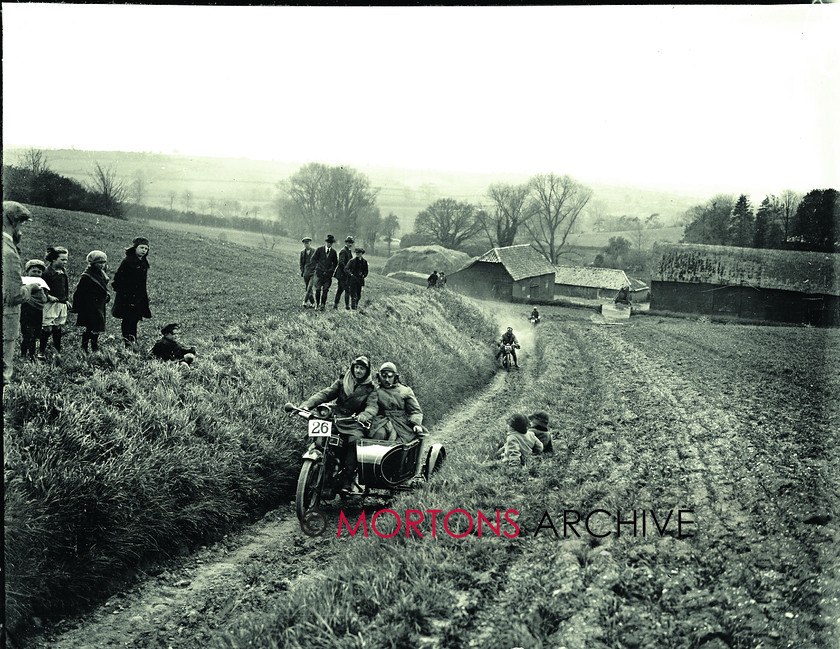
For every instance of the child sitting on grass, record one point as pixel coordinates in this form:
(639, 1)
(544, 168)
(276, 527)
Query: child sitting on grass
(169, 349)
(520, 444)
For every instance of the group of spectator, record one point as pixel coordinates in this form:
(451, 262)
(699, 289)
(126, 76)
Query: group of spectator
(37, 301)
(526, 436)
(318, 267)
(436, 279)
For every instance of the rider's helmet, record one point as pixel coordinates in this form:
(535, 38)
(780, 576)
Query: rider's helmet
(510, 329)
(364, 362)
(388, 371)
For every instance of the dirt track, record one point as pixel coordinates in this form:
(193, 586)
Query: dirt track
(677, 413)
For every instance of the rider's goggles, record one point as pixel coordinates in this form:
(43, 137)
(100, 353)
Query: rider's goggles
(388, 374)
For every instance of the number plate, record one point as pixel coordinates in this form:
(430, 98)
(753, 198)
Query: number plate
(320, 428)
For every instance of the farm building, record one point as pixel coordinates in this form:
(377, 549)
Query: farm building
(510, 273)
(778, 285)
(596, 283)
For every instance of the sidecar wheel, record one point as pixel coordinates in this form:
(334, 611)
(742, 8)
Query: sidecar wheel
(308, 487)
(434, 461)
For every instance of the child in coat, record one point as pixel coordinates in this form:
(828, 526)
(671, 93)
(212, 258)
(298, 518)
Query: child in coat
(169, 349)
(31, 314)
(89, 299)
(520, 444)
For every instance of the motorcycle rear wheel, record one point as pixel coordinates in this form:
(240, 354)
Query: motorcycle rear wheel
(308, 491)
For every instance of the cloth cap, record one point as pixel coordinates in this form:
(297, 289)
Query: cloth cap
(519, 423)
(306, 239)
(15, 213)
(96, 255)
(361, 360)
(540, 418)
(360, 251)
(140, 241)
(330, 239)
(349, 239)
(35, 262)
(170, 328)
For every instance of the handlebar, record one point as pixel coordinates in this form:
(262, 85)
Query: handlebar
(292, 408)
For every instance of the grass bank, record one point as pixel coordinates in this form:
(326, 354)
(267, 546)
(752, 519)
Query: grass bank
(114, 461)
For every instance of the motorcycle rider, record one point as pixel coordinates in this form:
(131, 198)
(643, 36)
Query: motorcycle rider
(535, 315)
(354, 394)
(399, 416)
(508, 338)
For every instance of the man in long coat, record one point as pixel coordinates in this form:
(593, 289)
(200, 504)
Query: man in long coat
(325, 261)
(307, 271)
(344, 256)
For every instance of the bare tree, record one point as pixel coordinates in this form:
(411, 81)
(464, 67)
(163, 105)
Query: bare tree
(186, 199)
(554, 205)
(508, 213)
(138, 190)
(172, 196)
(788, 202)
(370, 224)
(33, 160)
(448, 222)
(111, 189)
(389, 228)
(328, 198)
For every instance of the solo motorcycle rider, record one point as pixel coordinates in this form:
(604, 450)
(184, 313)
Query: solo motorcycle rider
(508, 338)
(354, 394)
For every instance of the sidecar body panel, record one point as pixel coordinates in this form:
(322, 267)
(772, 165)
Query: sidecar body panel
(386, 464)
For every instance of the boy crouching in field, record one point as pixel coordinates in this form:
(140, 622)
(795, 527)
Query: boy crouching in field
(520, 443)
(169, 349)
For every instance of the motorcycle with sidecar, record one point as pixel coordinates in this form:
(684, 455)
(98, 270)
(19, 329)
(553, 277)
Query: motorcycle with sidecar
(383, 465)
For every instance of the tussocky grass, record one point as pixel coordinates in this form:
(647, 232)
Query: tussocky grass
(115, 461)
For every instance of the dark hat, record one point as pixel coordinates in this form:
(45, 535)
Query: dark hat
(140, 241)
(349, 239)
(360, 251)
(519, 423)
(330, 239)
(306, 239)
(35, 262)
(540, 418)
(170, 328)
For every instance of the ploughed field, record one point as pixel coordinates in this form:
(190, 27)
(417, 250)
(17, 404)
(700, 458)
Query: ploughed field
(704, 459)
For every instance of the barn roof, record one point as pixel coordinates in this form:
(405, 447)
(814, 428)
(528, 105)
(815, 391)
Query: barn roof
(787, 270)
(589, 277)
(519, 261)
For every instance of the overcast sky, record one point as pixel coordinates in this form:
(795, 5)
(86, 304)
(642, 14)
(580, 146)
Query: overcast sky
(735, 98)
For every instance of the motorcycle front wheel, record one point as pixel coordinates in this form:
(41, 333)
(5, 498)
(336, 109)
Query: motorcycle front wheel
(506, 362)
(308, 487)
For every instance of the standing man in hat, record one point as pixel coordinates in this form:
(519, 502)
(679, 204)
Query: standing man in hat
(357, 270)
(15, 292)
(325, 261)
(131, 301)
(344, 256)
(307, 271)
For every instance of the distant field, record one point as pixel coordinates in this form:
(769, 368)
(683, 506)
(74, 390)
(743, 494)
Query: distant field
(649, 237)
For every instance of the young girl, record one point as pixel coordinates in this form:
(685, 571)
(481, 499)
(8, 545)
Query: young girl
(55, 311)
(90, 298)
(131, 298)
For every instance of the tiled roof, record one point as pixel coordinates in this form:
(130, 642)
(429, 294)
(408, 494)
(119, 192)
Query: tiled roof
(520, 261)
(589, 277)
(787, 270)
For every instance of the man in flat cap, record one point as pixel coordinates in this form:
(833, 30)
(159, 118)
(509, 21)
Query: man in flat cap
(307, 271)
(15, 292)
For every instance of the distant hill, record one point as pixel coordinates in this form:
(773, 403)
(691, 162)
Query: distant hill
(252, 183)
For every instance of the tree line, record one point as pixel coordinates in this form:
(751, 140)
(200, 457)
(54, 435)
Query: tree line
(789, 221)
(339, 199)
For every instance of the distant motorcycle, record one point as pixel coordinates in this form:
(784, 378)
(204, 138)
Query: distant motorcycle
(507, 355)
(534, 320)
(383, 465)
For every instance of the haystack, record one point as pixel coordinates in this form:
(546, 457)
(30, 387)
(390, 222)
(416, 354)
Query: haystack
(425, 260)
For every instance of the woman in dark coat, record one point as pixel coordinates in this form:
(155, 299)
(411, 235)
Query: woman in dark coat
(90, 298)
(131, 300)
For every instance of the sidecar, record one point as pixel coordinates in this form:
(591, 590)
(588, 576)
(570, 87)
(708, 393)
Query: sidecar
(390, 464)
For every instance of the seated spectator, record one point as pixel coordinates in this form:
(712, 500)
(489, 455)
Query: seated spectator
(520, 444)
(539, 426)
(169, 349)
